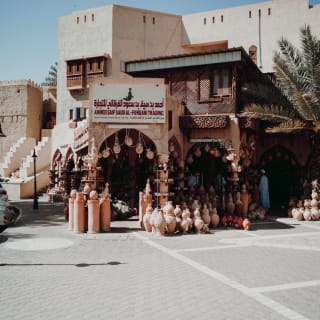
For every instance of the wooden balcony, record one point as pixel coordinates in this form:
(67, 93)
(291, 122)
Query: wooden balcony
(75, 82)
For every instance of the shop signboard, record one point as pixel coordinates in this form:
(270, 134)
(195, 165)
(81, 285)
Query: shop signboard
(129, 104)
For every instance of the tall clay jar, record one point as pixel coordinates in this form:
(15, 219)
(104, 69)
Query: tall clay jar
(71, 209)
(105, 214)
(245, 201)
(230, 205)
(93, 213)
(238, 204)
(79, 213)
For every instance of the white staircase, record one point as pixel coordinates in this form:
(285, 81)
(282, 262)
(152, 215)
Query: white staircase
(13, 158)
(43, 152)
(20, 158)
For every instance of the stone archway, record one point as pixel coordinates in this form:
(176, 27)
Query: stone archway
(127, 159)
(282, 170)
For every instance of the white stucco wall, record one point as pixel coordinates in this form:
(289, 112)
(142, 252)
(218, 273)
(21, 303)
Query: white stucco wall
(286, 18)
(76, 40)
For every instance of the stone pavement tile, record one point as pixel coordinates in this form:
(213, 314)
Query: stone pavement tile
(261, 266)
(303, 300)
(146, 283)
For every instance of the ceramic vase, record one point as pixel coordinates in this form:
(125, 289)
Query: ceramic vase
(205, 215)
(146, 218)
(246, 224)
(215, 219)
(230, 205)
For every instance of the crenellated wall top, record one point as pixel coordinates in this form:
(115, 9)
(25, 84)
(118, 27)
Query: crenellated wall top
(20, 82)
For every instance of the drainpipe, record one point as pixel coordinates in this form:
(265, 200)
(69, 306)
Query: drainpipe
(260, 57)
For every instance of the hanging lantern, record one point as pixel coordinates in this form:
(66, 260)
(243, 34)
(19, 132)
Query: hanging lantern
(106, 153)
(171, 147)
(139, 148)
(128, 140)
(149, 154)
(116, 147)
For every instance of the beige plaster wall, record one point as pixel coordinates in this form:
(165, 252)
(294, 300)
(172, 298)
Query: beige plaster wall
(20, 111)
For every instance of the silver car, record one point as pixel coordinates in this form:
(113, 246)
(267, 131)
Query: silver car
(8, 213)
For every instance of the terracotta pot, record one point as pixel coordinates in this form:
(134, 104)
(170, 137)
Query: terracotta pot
(198, 224)
(146, 218)
(205, 215)
(215, 219)
(245, 201)
(246, 224)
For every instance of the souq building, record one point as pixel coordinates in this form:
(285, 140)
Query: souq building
(140, 89)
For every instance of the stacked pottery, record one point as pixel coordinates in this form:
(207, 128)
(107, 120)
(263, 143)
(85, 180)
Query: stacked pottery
(198, 222)
(170, 218)
(146, 218)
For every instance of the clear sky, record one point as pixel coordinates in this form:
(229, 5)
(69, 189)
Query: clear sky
(28, 29)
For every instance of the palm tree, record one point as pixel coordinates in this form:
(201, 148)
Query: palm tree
(51, 79)
(297, 80)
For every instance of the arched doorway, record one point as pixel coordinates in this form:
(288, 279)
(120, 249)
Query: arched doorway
(283, 174)
(205, 165)
(127, 161)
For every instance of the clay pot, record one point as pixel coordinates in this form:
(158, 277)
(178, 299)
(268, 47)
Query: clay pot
(215, 219)
(184, 226)
(205, 215)
(245, 201)
(146, 218)
(93, 195)
(158, 222)
(230, 205)
(315, 214)
(177, 211)
(198, 224)
(86, 188)
(170, 218)
(238, 205)
(246, 224)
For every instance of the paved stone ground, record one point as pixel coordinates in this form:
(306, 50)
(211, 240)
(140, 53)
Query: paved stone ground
(48, 272)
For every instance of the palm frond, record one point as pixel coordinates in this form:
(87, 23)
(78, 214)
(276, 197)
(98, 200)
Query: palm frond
(288, 126)
(270, 112)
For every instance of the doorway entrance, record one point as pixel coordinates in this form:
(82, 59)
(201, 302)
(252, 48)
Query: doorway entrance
(282, 171)
(127, 161)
